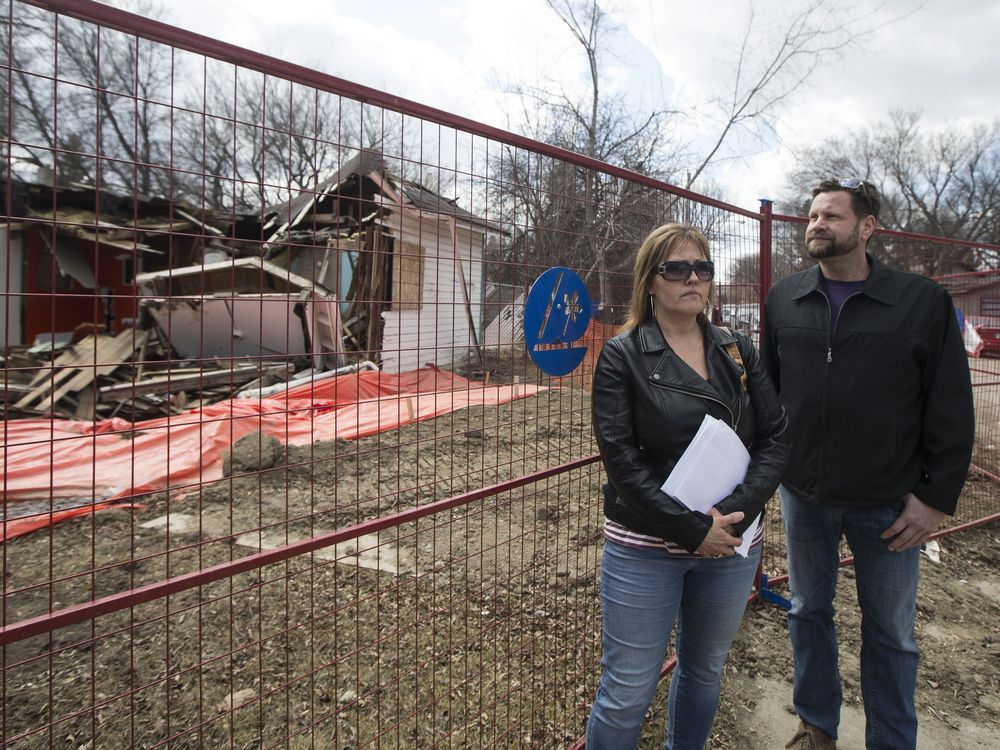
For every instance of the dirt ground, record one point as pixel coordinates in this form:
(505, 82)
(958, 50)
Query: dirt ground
(473, 627)
(958, 631)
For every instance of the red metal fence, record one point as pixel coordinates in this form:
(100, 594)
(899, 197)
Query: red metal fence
(277, 470)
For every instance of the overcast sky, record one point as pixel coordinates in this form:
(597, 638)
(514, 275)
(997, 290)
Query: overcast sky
(942, 58)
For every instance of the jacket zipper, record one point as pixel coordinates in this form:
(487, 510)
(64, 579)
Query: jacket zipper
(829, 360)
(829, 309)
(734, 420)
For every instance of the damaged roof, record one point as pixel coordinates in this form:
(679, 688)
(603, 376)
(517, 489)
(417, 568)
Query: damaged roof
(362, 181)
(120, 220)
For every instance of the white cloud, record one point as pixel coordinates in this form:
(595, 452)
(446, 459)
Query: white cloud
(940, 59)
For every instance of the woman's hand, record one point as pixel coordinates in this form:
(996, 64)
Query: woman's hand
(719, 542)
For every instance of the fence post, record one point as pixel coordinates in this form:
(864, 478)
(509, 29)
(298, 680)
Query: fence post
(764, 265)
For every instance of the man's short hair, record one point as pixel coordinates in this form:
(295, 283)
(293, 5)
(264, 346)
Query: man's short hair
(865, 199)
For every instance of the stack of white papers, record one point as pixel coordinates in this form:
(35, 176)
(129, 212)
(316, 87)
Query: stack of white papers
(712, 466)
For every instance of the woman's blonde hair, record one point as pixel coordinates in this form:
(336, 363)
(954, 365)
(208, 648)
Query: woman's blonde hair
(655, 249)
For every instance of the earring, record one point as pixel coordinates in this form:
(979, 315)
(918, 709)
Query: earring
(652, 307)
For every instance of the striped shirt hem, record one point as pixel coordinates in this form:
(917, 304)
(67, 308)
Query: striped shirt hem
(619, 534)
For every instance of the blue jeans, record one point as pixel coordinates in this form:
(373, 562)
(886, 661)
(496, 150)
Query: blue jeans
(642, 593)
(887, 595)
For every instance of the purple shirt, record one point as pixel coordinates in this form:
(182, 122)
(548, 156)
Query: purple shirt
(837, 292)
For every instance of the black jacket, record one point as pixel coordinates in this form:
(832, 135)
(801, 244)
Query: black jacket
(647, 406)
(884, 406)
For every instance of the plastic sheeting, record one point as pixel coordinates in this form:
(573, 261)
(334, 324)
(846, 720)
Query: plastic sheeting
(594, 338)
(114, 460)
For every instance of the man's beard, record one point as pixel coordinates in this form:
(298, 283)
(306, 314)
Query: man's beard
(832, 247)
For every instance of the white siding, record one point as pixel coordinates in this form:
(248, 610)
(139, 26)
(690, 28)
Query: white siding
(439, 332)
(507, 328)
(11, 286)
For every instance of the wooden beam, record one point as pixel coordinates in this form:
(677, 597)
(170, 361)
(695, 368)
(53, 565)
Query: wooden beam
(192, 382)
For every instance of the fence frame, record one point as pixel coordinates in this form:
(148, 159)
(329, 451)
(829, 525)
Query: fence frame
(114, 18)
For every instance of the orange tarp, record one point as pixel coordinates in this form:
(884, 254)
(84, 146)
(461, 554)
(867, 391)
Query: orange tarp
(349, 389)
(114, 459)
(594, 337)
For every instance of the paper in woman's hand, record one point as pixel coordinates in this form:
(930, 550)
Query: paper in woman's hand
(712, 466)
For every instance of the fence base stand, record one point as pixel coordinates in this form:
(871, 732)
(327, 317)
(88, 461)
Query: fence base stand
(766, 595)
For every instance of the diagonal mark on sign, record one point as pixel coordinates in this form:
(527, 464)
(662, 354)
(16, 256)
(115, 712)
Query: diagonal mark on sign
(548, 310)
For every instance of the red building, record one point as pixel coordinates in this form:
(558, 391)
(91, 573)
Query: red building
(69, 256)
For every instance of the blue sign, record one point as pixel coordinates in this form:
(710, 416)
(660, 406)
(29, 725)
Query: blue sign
(556, 314)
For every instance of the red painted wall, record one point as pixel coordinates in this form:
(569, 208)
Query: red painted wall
(54, 302)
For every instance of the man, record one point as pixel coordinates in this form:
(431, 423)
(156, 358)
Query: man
(870, 366)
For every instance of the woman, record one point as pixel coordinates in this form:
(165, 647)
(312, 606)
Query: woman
(653, 386)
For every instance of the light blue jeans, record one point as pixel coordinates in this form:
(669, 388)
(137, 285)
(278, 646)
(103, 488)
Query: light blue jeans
(887, 595)
(642, 593)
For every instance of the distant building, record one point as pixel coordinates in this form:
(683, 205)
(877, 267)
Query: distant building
(976, 293)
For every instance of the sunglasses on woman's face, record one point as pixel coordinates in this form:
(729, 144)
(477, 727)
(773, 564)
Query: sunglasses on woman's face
(680, 270)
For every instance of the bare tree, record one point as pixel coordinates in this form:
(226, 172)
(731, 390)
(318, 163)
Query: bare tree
(770, 69)
(87, 101)
(99, 106)
(255, 140)
(595, 215)
(944, 182)
(578, 216)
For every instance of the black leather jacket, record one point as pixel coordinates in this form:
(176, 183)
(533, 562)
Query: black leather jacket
(647, 406)
(883, 406)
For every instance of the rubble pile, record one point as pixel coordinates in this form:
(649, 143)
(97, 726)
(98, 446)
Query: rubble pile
(133, 375)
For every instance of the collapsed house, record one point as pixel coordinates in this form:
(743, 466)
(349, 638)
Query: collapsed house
(368, 266)
(73, 338)
(406, 263)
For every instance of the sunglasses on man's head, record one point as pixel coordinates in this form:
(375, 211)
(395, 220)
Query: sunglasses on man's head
(853, 183)
(680, 270)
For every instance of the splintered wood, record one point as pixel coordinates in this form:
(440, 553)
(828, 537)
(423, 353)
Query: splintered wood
(74, 371)
(129, 375)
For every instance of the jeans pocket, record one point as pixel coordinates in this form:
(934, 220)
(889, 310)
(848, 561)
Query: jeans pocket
(879, 519)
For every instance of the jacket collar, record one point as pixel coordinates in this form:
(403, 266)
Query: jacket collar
(651, 337)
(670, 369)
(879, 284)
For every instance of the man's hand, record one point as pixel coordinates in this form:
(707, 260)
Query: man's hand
(917, 522)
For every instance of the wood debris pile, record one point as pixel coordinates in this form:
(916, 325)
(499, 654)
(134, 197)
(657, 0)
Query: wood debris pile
(132, 375)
